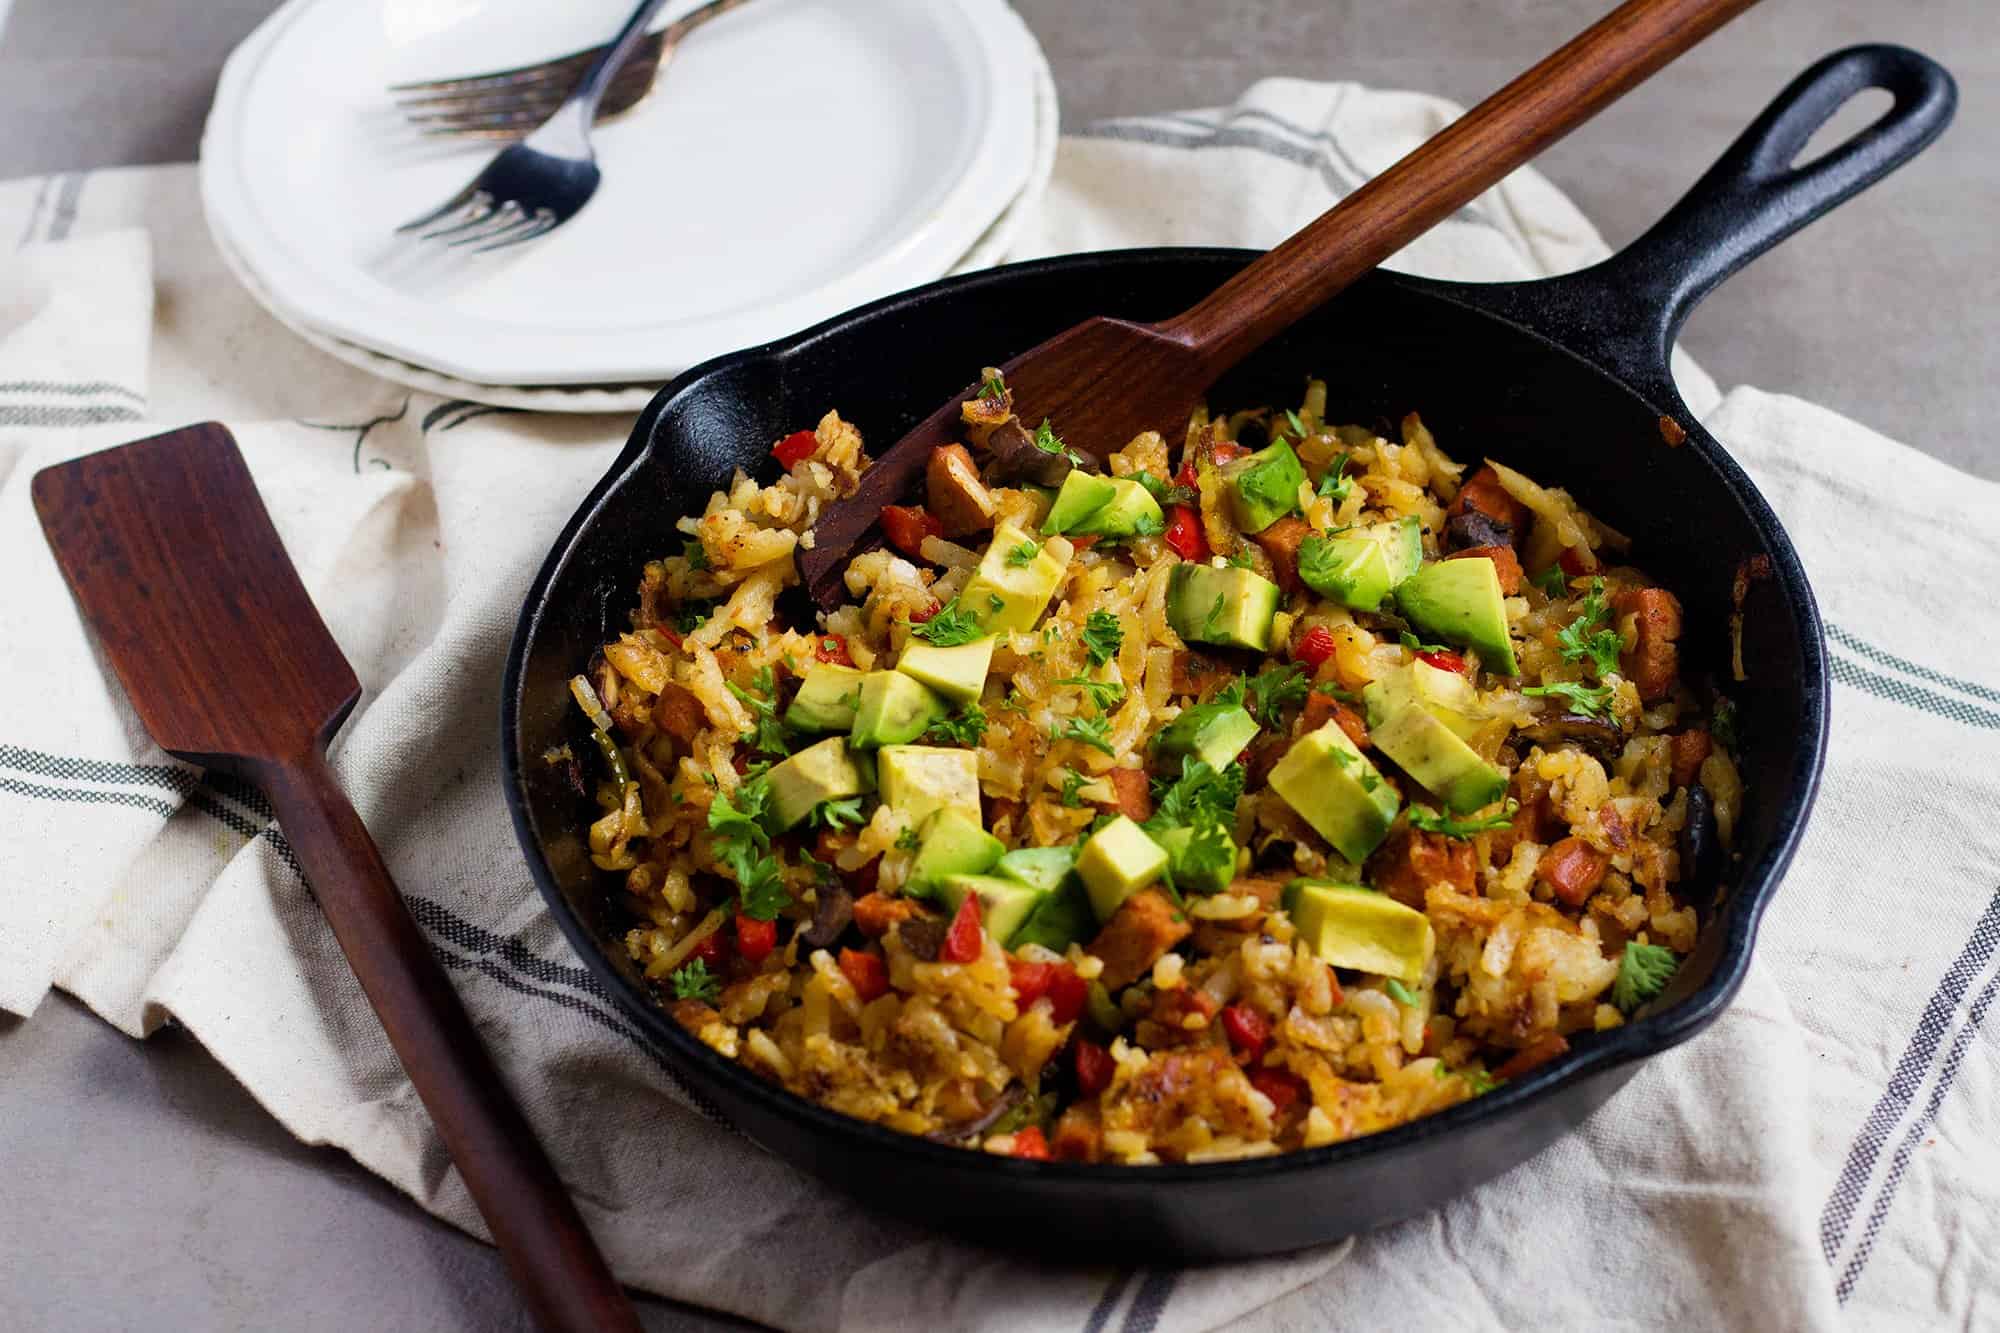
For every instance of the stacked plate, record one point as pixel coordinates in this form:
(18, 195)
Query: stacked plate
(796, 159)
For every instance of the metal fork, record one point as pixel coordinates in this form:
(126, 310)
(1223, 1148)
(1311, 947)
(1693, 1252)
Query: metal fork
(507, 103)
(536, 185)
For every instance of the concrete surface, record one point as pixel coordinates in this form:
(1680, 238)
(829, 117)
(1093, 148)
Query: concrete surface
(145, 1189)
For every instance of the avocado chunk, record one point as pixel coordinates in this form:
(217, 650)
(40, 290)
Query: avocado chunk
(827, 699)
(1336, 790)
(821, 772)
(1433, 754)
(1132, 511)
(1358, 567)
(1060, 917)
(1082, 494)
(1349, 926)
(1004, 597)
(921, 780)
(1190, 879)
(1039, 867)
(1214, 732)
(1230, 607)
(1117, 862)
(1003, 903)
(952, 845)
(1459, 601)
(1264, 487)
(958, 672)
(893, 708)
(1448, 695)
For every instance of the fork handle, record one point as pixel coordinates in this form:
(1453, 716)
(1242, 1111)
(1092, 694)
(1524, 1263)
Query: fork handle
(558, 1268)
(597, 80)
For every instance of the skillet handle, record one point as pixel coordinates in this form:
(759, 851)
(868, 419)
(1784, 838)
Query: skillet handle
(1632, 305)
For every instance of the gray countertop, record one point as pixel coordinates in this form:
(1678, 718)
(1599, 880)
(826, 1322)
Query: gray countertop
(146, 1189)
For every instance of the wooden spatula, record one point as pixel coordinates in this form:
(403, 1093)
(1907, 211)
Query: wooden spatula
(1106, 380)
(175, 563)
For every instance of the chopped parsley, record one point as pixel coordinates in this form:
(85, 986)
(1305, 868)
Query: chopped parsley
(949, 627)
(1426, 820)
(693, 981)
(906, 841)
(1212, 626)
(1102, 635)
(836, 815)
(1333, 691)
(1298, 426)
(1319, 565)
(1242, 559)
(1210, 855)
(822, 872)
(1149, 525)
(692, 617)
(1105, 695)
(1399, 992)
(1554, 580)
(1481, 1081)
(1093, 731)
(1723, 725)
(1050, 443)
(965, 727)
(1072, 788)
(995, 602)
(770, 734)
(1165, 492)
(736, 833)
(1273, 690)
(696, 555)
(1587, 638)
(1643, 972)
(1416, 645)
(1022, 554)
(1336, 485)
(993, 388)
(1199, 795)
(1590, 700)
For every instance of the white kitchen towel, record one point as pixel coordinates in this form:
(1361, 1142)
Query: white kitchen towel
(1821, 1156)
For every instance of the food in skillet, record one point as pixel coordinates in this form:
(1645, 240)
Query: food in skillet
(1254, 792)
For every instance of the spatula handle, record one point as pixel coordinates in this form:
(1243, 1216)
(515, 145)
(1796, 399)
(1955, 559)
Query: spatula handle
(554, 1261)
(1457, 163)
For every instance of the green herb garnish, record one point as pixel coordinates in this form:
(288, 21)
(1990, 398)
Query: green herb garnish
(1092, 731)
(1210, 854)
(950, 627)
(736, 833)
(1148, 525)
(1298, 426)
(1416, 645)
(1585, 639)
(770, 734)
(993, 388)
(1554, 581)
(1102, 635)
(1072, 788)
(692, 617)
(693, 981)
(966, 727)
(1105, 695)
(906, 841)
(1427, 820)
(1273, 690)
(1336, 485)
(1022, 554)
(1590, 700)
(1643, 972)
(1213, 623)
(1399, 992)
(696, 555)
(1050, 443)
(1242, 559)
(822, 872)
(1723, 725)
(836, 815)
(1481, 1081)
(1166, 493)
(1199, 795)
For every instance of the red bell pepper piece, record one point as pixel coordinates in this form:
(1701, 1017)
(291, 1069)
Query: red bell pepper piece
(799, 444)
(1315, 647)
(754, 938)
(1031, 1144)
(919, 617)
(1571, 562)
(906, 526)
(1093, 1067)
(866, 972)
(962, 941)
(1031, 980)
(832, 648)
(1185, 536)
(1444, 661)
(1246, 1029)
(1283, 1089)
(1067, 991)
(709, 951)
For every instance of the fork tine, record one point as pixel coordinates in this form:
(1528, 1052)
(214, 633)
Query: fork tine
(452, 205)
(549, 93)
(513, 120)
(480, 210)
(541, 223)
(577, 61)
(504, 218)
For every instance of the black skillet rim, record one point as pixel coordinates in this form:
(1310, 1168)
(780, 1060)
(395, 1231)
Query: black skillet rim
(1594, 1053)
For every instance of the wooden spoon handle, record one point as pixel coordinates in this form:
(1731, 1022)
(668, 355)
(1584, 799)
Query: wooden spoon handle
(554, 1261)
(1454, 166)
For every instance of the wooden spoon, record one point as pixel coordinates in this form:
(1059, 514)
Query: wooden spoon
(178, 570)
(1106, 380)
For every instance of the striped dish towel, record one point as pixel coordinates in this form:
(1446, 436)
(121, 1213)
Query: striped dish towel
(1822, 1156)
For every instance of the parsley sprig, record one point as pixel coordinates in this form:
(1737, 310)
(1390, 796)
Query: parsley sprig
(693, 981)
(1554, 580)
(1072, 788)
(1590, 700)
(1643, 972)
(1050, 443)
(1273, 690)
(1426, 820)
(836, 815)
(993, 388)
(740, 844)
(1166, 493)
(1105, 695)
(1336, 485)
(1021, 554)
(1201, 794)
(770, 734)
(1209, 857)
(1587, 638)
(950, 627)
(1092, 731)
(966, 727)
(1102, 635)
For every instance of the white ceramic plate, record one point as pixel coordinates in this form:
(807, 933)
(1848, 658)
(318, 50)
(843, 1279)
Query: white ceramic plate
(991, 249)
(800, 157)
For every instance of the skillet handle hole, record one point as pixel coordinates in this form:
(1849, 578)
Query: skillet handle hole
(1860, 113)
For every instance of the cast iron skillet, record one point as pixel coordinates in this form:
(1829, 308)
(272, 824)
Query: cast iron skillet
(1565, 378)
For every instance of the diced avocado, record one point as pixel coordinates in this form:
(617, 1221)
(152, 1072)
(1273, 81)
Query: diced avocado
(1459, 601)
(1041, 867)
(1358, 567)
(1060, 917)
(1229, 607)
(1132, 510)
(952, 845)
(1264, 487)
(893, 708)
(1082, 494)
(1214, 733)
(958, 672)
(1336, 790)
(1004, 597)
(920, 780)
(826, 700)
(1432, 753)
(1349, 926)
(1003, 903)
(1204, 879)
(1117, 862)
(821, 772)
(1447, 694)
